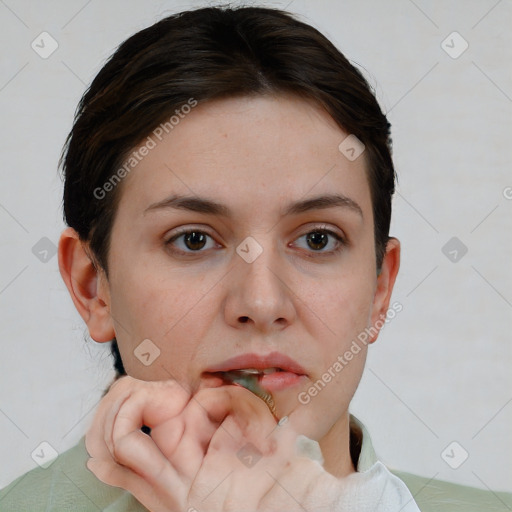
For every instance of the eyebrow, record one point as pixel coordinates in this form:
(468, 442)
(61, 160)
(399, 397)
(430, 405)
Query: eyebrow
(211, 207)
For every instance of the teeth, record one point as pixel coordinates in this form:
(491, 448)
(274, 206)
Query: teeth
(254, 371)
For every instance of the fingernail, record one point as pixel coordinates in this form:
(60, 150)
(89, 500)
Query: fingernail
(282, 421)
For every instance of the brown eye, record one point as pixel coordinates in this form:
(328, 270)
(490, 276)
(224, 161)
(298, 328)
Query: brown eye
(317, 240)
(189, 241)
(195, 240)
(322, 241)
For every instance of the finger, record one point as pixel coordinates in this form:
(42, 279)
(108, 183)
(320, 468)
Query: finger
(138, 452)
(249, 411)
(97, 442)
(125, 456)
(168, 435)
(229, 456)
(184, 440)
(235, 447)
(109, 410)
(99, 436)
(113, 474)
(115, 434)
(151, 404)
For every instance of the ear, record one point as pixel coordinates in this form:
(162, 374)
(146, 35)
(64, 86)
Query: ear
(385, 282)
(87, 285)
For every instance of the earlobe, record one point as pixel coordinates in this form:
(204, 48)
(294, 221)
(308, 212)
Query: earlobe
(385, 282)
(87, 286)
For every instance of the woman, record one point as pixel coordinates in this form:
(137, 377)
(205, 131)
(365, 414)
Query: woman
(228, 185)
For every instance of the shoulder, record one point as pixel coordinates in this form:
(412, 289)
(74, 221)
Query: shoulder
(440, 496)
(429, 494)
(66, 484)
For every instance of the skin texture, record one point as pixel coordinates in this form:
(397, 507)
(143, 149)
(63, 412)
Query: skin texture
(255, 156)
(194, 459)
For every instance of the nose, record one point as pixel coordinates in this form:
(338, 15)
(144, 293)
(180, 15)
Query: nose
(259, 296)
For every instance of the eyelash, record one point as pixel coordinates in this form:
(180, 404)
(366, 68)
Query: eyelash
(341, 241)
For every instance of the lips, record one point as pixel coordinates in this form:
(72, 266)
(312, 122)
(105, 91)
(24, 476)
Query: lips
(274, 371)
(259, 362)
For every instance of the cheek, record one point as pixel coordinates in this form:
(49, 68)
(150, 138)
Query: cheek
(164, 309)
(343, 307)
(152, 298)
(345, 310)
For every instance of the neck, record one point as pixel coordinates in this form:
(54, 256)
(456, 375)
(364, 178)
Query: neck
(335, 446)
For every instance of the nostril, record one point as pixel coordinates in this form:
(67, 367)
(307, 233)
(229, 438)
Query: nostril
(244, 319)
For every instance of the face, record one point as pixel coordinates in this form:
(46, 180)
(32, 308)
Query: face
(245, 233)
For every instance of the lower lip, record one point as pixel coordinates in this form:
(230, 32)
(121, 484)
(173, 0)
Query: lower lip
(276, 381)
(280, 380)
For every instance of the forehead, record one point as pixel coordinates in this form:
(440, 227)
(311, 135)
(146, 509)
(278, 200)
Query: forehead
(262, 150)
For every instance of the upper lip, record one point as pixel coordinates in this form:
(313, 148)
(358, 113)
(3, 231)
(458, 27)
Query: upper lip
(259, 362)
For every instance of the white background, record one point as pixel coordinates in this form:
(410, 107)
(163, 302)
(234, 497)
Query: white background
(440, 371)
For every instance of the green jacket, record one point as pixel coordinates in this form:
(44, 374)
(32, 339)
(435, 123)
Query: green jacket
(67, 485)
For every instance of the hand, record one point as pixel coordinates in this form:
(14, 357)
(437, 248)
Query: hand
(123, 455)
(194, 457)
